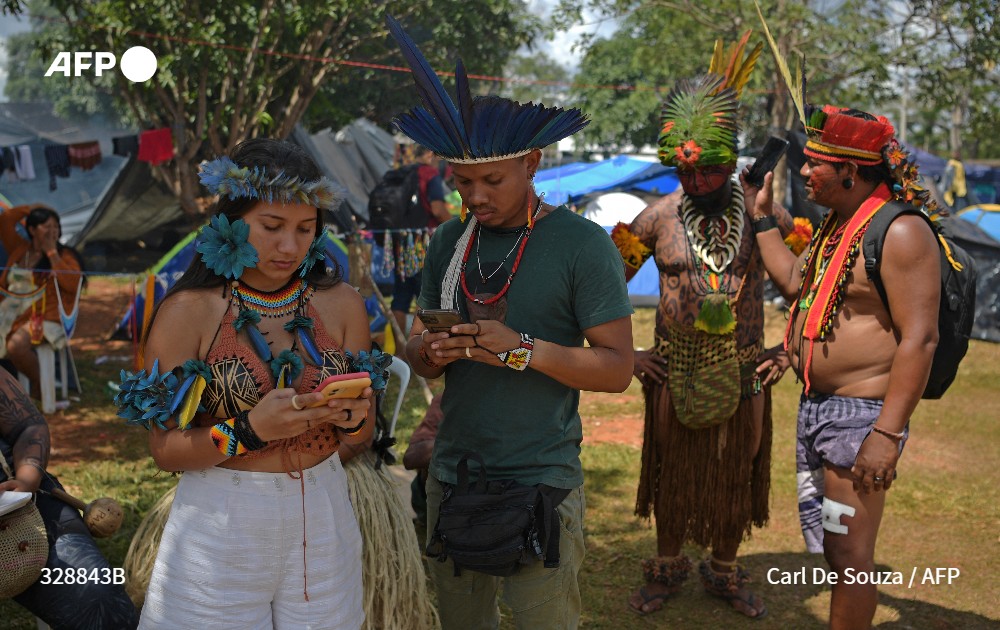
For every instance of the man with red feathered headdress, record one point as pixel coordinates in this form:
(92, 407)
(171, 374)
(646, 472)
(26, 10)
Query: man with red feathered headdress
(864, 348)
(707, 445)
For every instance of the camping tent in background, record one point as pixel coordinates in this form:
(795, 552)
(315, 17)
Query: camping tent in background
(356, 157)
(985, 250)
(168, 270)
(608, 210)
(569, 183)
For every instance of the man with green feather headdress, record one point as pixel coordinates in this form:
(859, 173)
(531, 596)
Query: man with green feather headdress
(706, 453)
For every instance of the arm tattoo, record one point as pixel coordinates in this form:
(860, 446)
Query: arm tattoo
(21, 424)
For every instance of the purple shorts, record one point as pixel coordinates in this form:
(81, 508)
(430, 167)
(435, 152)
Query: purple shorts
(830, 431)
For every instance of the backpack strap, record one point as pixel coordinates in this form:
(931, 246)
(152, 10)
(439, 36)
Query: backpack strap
(874, 241)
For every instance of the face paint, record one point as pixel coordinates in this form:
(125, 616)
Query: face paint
(697, 182)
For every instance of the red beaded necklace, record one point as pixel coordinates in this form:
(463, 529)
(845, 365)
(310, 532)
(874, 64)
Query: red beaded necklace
(513, 270)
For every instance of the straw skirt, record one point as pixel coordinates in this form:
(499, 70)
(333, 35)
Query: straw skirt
(232, 553)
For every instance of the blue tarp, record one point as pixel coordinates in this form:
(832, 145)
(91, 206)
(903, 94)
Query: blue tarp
(573, 181)
(986, 216)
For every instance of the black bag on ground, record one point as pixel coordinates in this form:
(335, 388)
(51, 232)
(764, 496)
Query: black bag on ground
(495, 527)
(394, 203)
(958, 293)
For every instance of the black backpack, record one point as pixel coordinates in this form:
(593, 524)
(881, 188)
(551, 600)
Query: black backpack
(394, 203)
(958, 294)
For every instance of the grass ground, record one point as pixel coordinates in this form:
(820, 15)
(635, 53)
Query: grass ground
(941, 513)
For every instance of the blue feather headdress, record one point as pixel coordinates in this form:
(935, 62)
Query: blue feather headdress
(475, 130)
(224, 177)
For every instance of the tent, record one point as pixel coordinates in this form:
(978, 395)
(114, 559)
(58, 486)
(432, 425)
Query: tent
(356, 157)
(608, 210)
(570, 183)
(168, 270)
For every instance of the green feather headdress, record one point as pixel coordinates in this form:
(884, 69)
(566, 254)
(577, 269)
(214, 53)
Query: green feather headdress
(699, 115)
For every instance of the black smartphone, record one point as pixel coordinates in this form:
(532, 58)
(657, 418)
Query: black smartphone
(440, 319)
(767, 160)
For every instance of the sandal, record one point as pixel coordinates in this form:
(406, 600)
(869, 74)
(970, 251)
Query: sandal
(669, 572)
(730, 586)
(647, 599)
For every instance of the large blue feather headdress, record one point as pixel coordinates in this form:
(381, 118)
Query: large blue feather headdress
(481, 129)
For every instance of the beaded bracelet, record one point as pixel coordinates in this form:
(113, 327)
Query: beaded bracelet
(245, 433)
(224, 438)
(519, 357)
(353, 430)
(888, 434)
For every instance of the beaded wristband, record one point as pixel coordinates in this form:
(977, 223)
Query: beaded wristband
(245, 433)
(224, 437)
(763, 224)
(354, 430)
(888, 434)
(519, 357)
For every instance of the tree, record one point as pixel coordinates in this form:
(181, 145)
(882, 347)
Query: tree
(235, 70)
(857, 53)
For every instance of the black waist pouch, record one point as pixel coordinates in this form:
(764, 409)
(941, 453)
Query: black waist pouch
(495, 527)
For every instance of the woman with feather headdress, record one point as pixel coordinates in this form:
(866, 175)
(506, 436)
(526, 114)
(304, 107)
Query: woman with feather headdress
(707, 445)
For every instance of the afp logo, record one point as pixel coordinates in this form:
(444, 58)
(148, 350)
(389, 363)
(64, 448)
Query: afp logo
(138, 64)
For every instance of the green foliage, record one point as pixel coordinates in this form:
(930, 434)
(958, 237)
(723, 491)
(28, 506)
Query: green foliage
(856, 52)
(235, 70)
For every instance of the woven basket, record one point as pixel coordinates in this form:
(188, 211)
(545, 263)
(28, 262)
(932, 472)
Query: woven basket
(24, 550)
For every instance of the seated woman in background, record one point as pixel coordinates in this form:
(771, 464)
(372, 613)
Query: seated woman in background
(62, 603)
(29, 313)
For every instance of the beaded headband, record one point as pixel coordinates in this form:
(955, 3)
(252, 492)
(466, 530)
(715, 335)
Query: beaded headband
(835, 136)
(224, 177)
(475, 130)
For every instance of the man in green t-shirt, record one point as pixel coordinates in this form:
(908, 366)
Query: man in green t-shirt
(534, 282)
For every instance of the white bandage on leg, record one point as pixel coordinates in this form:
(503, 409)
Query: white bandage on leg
(832, 511)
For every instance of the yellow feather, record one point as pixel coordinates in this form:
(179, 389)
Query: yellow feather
(794, 85)
(718, 55)
(190, 405)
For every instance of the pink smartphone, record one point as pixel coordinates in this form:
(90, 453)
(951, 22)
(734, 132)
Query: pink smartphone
(342, 386)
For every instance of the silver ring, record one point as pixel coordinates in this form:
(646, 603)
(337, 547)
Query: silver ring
(348, 412)
(295, 403)
(422, 333)
(468, 352)
(877, 479)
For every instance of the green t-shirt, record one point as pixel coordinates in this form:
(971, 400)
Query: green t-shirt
(525, 425)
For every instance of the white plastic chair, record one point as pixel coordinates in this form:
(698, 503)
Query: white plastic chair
(47, 377)
(400, 370)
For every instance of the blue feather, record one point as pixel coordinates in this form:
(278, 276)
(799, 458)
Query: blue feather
(181, 392)
(464, 99)
(309, 346)
(432, 93)
(258, 342)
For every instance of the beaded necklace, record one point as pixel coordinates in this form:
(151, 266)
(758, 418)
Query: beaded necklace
(291, 298)
(513, 271)
(273, 303)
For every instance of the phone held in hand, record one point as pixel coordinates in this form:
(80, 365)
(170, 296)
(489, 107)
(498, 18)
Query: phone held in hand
(766, 161)
(438, 320)
(350, 385)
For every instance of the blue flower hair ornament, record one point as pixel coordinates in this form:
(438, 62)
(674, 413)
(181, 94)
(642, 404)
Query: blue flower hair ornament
(147, 398)
(225, 178)
(225, 247)
(376, 363)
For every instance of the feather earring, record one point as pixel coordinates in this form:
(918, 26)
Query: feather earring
(531, 219)
(464, 212)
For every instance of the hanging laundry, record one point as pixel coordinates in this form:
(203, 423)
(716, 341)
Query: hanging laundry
(86, 155)
(7, 159)
(25, 163)
(57, 160)
(156, 146)
(125, 146)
